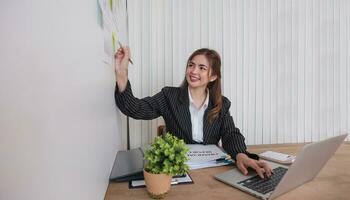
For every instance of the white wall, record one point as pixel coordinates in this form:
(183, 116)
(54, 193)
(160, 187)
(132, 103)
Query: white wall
(58, 122)
(285, 62)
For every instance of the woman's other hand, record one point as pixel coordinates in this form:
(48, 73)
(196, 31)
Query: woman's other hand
(243, 162)
(122, 57)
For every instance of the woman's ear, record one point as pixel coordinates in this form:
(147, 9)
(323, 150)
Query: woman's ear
(213, 78)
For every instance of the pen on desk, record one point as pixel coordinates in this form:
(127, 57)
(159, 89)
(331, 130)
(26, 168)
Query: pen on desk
(224, 159)
(120, 44)
(220, 159)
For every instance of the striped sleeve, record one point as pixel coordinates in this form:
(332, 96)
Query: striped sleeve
(232, 139)
(146, 108)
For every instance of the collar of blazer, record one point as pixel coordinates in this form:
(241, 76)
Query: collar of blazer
(184, 113)
(184, 99)
(186, 116)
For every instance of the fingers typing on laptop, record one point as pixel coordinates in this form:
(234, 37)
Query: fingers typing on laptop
(243, 162)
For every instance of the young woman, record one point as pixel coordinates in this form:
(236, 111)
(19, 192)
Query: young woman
(195, 112)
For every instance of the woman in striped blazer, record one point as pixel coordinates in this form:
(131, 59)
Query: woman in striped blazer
(195, 112)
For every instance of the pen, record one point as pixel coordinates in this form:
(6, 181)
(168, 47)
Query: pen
(220, 159)
(120, 44)
(224, 159)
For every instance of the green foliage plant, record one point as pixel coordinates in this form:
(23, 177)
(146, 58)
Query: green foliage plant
(167, 155)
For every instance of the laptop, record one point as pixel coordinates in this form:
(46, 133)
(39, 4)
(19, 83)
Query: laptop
(309, 161)
(128, 165)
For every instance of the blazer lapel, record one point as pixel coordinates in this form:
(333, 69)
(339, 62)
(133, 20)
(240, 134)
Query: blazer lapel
(206, 125)
(184, 113)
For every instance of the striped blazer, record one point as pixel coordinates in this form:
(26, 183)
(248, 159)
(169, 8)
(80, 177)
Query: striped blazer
(172, 103)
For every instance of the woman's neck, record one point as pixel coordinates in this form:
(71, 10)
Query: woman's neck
(198, 96)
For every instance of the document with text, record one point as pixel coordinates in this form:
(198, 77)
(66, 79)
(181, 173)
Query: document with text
(203, 156)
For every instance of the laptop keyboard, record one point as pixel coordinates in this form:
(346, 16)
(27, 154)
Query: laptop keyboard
(266, 185)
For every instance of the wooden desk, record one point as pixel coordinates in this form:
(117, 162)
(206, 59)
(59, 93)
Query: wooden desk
(333, 182)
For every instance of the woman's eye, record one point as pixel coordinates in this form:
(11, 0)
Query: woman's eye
(202, 68)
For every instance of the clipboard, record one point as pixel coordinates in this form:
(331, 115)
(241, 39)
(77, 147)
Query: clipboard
(176, 180)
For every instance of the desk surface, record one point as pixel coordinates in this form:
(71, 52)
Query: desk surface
(333, 182)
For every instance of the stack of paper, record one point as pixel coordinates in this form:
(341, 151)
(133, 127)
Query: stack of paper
(203, 156)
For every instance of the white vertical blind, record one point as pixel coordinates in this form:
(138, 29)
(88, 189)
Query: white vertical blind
(285, 62)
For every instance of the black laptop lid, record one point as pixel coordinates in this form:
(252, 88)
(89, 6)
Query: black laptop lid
(128, 165)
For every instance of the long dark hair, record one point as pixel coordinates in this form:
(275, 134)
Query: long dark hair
(215, 86)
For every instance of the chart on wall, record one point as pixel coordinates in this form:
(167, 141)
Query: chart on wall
(115, 26)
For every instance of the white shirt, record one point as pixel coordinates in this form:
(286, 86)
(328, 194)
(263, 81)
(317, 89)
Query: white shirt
(197, 117)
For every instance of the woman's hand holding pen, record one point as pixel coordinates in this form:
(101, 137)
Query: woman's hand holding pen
(122, 57)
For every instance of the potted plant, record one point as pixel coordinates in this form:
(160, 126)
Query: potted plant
(165, 158)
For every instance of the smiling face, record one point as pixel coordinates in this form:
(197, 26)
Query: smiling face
(203, 71)
(198, 72)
